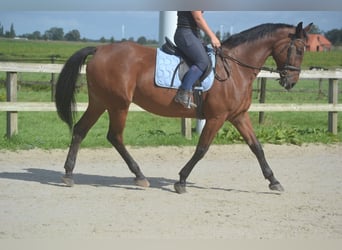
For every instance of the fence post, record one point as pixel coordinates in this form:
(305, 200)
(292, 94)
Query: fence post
(333, 97)
(11, 96)
(186, 128)
(53, 81)
(200, 123)
(262, 98)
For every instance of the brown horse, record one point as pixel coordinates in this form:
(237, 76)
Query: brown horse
(122, 73)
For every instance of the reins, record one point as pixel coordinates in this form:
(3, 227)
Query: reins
(226, 65)
(282, 71)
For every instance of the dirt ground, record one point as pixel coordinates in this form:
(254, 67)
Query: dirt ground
(227, 196)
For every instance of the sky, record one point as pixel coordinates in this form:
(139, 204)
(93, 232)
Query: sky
(135, 18)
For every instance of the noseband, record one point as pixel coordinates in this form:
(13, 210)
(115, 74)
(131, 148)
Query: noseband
(283, 71)
(287, 66)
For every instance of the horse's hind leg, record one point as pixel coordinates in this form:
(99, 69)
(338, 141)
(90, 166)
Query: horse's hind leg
(115, 137)
(80, 131)
(244, 125)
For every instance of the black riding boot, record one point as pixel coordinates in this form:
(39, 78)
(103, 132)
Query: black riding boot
(184, 97)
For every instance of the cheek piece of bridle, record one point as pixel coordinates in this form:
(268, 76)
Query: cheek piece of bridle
(283, 71)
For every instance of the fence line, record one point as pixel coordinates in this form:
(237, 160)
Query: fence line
(12, 107)
(255, 107)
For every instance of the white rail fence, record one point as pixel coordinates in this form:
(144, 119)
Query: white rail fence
(12, 107)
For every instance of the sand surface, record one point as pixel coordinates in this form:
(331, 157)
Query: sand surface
(227, 196)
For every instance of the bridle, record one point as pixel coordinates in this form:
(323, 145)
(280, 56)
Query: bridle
(283, 71)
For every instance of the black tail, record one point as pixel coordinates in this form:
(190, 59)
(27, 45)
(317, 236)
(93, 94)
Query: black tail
(66, 84)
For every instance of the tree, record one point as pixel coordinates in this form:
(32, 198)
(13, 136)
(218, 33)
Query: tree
(73, 35)
(315, 30)
(142, 40)
(11, 32)
(334, 36)
(34, 36)
(1, 30)
(54, 34)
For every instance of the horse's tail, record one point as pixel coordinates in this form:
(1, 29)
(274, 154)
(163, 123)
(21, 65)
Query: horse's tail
(66, 84)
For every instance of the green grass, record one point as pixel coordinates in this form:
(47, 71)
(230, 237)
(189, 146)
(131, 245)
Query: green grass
(38, 51)
(330, 59)
(45, 130)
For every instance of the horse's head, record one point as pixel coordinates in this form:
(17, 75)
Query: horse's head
(288, 54)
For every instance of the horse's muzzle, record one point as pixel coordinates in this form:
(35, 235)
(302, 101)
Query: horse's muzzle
(287, 83)
(289, 76)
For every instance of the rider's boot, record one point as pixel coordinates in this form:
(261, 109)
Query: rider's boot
(184, 97)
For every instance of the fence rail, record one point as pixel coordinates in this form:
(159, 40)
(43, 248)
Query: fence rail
(257, 107)
(12, 107)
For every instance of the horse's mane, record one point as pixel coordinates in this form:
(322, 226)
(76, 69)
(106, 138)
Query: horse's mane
(254, 33)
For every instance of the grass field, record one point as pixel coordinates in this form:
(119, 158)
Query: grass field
(38, 51)
(45, 130)
(42, 51)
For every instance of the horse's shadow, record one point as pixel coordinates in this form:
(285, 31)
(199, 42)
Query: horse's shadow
(232, 190)
(51, 177)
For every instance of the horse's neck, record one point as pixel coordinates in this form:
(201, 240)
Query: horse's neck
(256, 53)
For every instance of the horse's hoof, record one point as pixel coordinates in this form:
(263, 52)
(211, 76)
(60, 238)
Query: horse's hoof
(68, 181)
(142, 182)
(180, 188)
(277, 187)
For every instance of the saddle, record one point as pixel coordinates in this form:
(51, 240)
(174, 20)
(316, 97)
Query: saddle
(170, 48)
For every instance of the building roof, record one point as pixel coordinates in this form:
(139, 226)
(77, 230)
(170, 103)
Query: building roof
(318, 38)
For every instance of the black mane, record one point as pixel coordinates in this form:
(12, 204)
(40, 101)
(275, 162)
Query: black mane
(254, 33)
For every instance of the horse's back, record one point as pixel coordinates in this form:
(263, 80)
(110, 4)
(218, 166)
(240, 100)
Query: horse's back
(125, 51)
(121, 58)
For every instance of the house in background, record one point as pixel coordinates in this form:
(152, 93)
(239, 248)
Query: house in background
(317, 42)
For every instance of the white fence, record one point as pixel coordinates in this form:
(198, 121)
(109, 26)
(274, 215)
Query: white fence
(12, 107)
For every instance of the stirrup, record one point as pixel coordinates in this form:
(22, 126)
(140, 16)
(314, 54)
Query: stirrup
(184, 98)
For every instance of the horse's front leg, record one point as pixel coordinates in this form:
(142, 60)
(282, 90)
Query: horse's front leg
(180, 186)
(209, 131)
(244, 125)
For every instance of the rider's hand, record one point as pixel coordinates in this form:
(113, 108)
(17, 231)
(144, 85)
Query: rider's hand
(215, 42)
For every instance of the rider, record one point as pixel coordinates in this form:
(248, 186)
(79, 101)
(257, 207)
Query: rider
(187, 38)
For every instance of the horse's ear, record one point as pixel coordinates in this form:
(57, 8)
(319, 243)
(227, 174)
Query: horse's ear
(299, 29)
